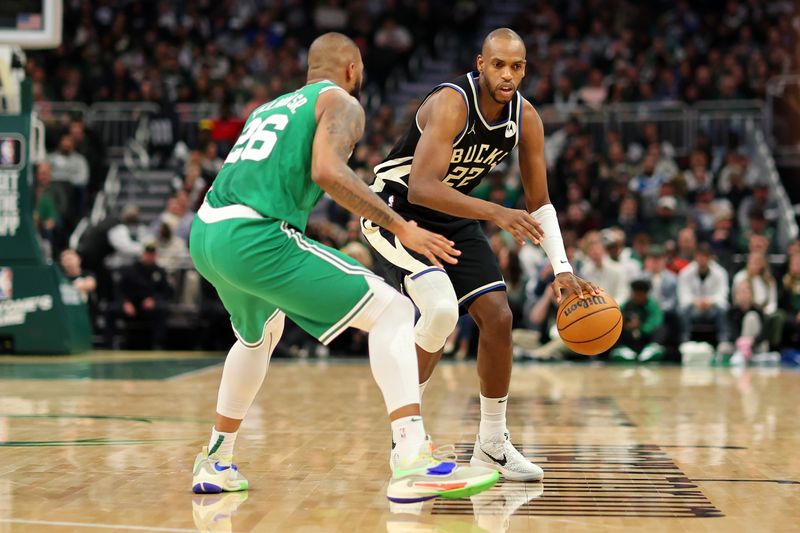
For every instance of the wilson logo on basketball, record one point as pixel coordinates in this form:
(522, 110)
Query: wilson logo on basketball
(585, 304)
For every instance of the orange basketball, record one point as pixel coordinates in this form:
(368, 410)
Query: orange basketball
(589, 326)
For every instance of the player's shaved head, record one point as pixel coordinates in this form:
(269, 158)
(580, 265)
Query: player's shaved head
(501, 34)
(331, 52)
(501, 64)
(336, 57)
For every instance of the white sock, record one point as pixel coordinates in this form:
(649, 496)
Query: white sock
(422, 387)
(493, 417)
(408, 434)
(222, 444)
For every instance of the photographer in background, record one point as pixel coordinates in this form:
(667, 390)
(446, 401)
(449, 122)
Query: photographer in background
(642, 331)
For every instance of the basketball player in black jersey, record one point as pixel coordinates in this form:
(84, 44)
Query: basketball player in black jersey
(462, 130)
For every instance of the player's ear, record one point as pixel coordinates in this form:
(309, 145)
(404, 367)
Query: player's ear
(479, 63)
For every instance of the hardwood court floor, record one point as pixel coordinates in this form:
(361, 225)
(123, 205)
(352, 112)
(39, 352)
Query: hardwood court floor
(100, 443)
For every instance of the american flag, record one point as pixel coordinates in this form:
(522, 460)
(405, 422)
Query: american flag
(29, 21)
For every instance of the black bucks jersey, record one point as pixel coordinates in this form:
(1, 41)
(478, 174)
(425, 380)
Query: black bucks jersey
(479, 147)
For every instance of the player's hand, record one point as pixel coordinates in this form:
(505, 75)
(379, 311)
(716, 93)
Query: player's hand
(431, 245)
(567, 281)
(520, 225)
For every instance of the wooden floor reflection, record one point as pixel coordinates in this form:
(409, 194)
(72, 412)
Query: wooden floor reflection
(106, 442)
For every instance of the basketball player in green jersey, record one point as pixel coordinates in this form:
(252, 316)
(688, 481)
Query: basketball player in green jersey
(248, 241)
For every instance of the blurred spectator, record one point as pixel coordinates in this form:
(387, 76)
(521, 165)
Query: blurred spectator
(663, 154)
(192, 184)
(759, 201)
(628, 218)
(664, 282)
(142, 297)
(495, 188)
(225, 128)
(723, 238)
(260, 96)
(745, 322)
(642, 330)
(392, 47)
(647, 184)
(594, 93)
(177, 216)
(564, 97)
(510, 267)
(703, 295)
(70, 172)
(359, 252)
(764, 289)
(667, 221)
(757, 225)
(329, 15)
(599, 268)
(702, 212)
(210, 161)
(790, 301)
(627, 258)
(697, 177)
(83, 281)
(89, 145)
(114, 242)
(684, 251)
(47, 199)
(172, 252)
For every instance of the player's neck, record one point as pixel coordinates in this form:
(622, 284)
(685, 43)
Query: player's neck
(491, 109)
(318, 76)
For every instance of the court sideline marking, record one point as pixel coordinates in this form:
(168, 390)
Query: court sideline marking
(99, 526)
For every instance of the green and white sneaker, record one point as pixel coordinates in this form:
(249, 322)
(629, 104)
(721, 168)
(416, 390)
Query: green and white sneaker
(213, 513)
(428, 477)
(211, 476)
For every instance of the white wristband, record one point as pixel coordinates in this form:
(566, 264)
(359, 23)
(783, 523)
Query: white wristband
(553, 243)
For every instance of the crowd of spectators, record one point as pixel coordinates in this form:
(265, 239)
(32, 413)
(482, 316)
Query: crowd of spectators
(601, 52)
(663, 232)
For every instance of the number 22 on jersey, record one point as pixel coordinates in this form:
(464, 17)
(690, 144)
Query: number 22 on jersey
(258, 139)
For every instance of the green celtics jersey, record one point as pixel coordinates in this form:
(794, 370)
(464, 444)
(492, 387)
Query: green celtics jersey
(269, 167)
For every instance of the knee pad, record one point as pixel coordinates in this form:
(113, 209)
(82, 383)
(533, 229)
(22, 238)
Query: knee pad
(433, 294)
(384, 298)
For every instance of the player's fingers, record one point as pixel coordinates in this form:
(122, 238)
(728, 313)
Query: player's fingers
(589, 287)
(446, 245)
(556, 286)
(578, 289)
(536, 226)
(442, 249)
(445, 256)
(531, 229)
(432, 258)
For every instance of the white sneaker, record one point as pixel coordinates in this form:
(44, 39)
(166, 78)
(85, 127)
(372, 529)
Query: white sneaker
(501, 455)
(494, 508)
(210, 476)
(427, 477)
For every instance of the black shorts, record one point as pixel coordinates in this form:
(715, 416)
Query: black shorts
(476, 273)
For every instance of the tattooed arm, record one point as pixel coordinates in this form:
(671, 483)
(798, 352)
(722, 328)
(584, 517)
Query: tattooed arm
(340, 124)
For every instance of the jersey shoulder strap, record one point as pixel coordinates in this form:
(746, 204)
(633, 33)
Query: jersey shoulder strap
(460, 85)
